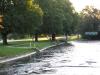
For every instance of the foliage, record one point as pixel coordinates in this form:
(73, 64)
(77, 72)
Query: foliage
(21, 47)
(58, 16)
(25, 16)
(21, 17)
(90, 19)
(38, 16)
(71, 18)
(90, 22)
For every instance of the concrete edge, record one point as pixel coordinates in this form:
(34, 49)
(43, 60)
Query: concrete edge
(26, 55)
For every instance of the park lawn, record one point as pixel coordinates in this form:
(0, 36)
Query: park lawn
(31, 44)
(73, 37)
(10, 51)
(21, 47)
(42, 44)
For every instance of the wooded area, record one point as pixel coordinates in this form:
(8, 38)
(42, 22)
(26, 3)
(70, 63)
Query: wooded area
(50, 17)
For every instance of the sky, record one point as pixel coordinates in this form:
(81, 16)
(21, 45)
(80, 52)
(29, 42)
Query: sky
(80, 4)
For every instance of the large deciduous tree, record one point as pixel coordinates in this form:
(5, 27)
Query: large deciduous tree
(90, 20)
(58, 16)
(52, 23)
(70, 19)
(21, 17)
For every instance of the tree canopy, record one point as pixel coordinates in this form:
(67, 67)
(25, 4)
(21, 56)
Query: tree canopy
(20, 17)
(38, 17)
(59, 16)
(90, 19)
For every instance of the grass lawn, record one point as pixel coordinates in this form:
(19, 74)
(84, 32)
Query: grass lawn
(21, 47)
(73, 37)
(25, 46)
(8, 51)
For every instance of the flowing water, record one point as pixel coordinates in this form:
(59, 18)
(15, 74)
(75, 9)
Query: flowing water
(82, 58)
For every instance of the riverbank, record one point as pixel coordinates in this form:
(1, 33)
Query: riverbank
(17, 48)
(25, 57)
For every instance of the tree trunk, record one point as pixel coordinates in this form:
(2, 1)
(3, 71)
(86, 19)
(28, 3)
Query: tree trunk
(66, 37)
(4, 38)
(36, 37)
(53, 37)
(78, 36)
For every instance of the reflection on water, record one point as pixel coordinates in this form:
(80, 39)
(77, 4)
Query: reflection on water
(81, 59)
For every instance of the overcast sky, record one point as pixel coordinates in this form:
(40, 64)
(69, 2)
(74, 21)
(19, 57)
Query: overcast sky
(80, 4)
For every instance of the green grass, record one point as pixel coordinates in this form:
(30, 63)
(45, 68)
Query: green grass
(21, 47)
(8, 51)
(29, 44)
(73, 37)
(41, 44)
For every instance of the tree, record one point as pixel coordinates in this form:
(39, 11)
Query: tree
(51, 19)
(20, 17)
(90, 20)
(33, 20)
(70, 20)
(58, 16)
(4, 8)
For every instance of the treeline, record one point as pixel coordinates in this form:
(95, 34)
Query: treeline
(90, 22)
(35, 17)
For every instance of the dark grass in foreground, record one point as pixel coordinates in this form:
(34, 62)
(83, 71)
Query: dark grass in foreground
(21, 47)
